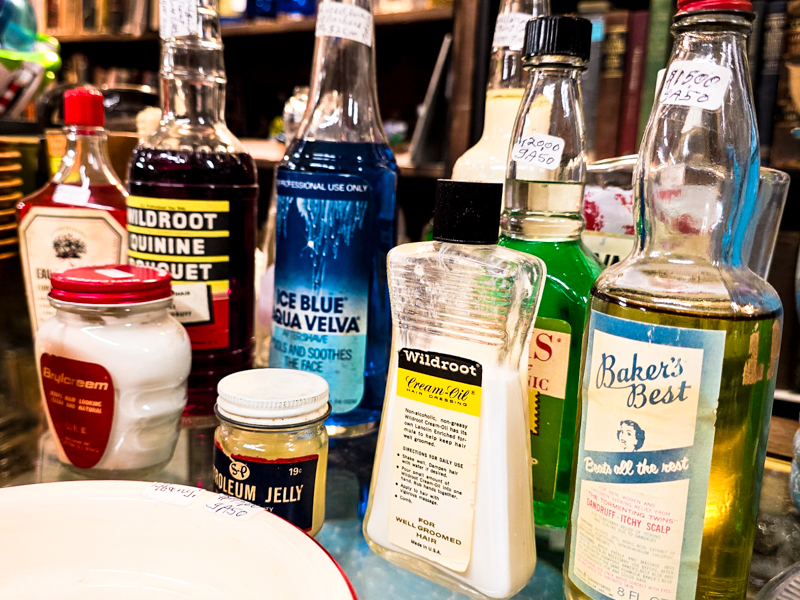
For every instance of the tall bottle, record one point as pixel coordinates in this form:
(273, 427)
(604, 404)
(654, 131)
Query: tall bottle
(486, 160)
(335, 226)
(682, 345)
(78, 218)
(543, 197)
(192, 208)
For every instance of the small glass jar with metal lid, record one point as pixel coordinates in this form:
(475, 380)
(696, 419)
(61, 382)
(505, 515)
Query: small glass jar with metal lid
(271, 447)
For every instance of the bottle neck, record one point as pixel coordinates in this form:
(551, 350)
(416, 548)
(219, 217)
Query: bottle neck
(342, 97)
(697, 176)
(86, 160)
(193, 82)
(505, 65)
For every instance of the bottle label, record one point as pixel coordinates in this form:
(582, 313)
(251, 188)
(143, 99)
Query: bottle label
(336, 19)
(284, 487)
(649, 400)
(55, 239)
(695, 83)
(435, 456)
(191, 240)
(509, 30)
(322, 275)
(610, 248)
(177, 18)
(80, 404)
(540, 150)
(548, 366)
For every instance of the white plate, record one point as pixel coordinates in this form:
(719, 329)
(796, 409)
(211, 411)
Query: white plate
(126, 540)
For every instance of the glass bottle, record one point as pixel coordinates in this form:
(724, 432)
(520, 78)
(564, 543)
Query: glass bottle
(682, 345)
(335, 224)
(78, 218)
(543, 197)
(486, 160)
(192, 209)
(451, 489)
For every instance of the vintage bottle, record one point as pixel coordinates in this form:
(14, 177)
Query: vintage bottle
(486, 160)
(542, 216)
(78, 218)
(192, 208)
(335, 225)
(451, 489)
(682, 345)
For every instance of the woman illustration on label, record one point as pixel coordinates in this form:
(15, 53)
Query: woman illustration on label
(630, 436)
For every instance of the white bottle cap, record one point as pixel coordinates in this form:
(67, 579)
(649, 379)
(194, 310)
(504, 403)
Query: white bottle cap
(272, 397)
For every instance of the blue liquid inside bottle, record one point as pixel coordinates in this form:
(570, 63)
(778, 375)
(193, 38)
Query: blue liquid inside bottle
(335, 225)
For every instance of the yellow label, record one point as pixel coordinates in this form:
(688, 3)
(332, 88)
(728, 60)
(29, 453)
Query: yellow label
(439, 392)
(178, 205)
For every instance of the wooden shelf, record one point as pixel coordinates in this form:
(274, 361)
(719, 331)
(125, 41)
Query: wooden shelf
(270, 26)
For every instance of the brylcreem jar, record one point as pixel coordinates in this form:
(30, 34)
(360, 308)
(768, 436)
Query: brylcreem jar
(113, 366)
(271, 447)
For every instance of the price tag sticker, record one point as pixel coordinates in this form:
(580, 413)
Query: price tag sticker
(509, 31)
(71, 194)
(336, 19)
(177, 18)
(695, 83)
(227, 506)
(540, 150)
(171, 493)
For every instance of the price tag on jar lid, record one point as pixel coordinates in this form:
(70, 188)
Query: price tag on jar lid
(509, 32)
(336, 19)
(695, 83)
(540, 150)
(177, 18)
(228, 506)
(172, 493)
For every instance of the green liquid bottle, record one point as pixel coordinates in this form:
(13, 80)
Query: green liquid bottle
(543, 197)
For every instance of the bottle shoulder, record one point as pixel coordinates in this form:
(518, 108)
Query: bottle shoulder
(108, 197)
(329, 157)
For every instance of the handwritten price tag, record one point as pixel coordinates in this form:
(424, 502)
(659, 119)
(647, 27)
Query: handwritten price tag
(540, 150)
(72, 194)
(509, 31)
(172, 493)
(336, 19)
(177, 18)
(695, 83)
(233, 508)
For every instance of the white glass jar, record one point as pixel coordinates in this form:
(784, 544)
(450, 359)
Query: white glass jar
(113, 365)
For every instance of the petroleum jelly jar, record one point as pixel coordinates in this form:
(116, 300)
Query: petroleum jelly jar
(113, 365)
(271, 447)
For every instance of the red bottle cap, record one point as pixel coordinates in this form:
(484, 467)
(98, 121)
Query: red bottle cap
(685, 6)
(111, 284)
(84, 106)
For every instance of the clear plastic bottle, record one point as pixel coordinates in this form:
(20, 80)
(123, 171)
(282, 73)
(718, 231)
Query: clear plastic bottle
(682, 345)
(335, 225)
(451, 489)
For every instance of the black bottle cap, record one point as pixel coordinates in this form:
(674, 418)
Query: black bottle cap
(560, 36)
(467, 212)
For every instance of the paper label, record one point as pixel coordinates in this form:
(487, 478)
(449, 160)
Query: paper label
(509, 30)
(435, 456)
(72, 194)
(650, 394)
(232, 508)
(191, 240)
(80, 403)
(171, 493)
(322, 275)
(177, 18)
(695, 83)
(283, 487)
(540, 150)
(548, 366)
(54, 239)
(337, 19)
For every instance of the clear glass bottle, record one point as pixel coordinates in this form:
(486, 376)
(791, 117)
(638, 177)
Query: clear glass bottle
(542, 216)
(271, 447)
(335, 224)
(192, 209)
(682, 345)
(451, 489)
(486, 160)
(78, 218)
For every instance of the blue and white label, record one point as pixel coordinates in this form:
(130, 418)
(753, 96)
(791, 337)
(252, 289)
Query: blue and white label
(649, 400)
(322, 274)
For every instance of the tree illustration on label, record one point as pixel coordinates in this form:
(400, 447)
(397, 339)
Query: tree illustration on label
(67, 246)
(80, 405)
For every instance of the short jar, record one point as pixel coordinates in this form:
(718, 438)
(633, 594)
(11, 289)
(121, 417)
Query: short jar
(271, 447)
(113, 366)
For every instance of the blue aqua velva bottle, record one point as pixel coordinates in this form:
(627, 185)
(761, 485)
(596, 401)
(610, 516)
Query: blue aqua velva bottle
(335, 224)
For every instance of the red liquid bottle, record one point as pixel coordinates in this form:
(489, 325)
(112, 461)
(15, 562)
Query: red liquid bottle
(192, 208)
(78, 218)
